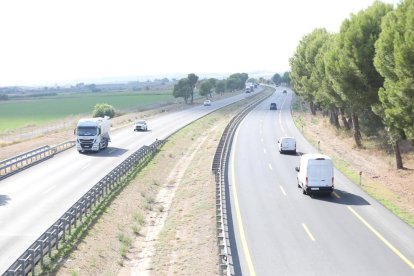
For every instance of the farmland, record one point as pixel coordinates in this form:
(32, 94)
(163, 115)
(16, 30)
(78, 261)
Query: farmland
(20, 113)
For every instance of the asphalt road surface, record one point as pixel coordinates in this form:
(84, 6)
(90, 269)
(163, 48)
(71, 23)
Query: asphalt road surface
(32, 200)
(279, 231)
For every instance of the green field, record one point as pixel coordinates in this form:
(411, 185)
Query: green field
(19, 113)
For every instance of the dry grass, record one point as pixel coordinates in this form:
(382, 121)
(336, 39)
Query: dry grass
(183, 166)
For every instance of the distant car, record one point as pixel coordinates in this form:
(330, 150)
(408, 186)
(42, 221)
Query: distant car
(287, 144)
(207, 103)
(141, 125)
(284, 91)
(248, 90)
(273, 106)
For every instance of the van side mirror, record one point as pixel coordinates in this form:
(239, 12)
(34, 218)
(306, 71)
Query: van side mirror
(297, 169)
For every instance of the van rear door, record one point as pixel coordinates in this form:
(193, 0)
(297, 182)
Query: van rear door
(320, 173)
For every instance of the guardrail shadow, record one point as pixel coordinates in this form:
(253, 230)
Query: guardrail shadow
(108, 152)
(4, 200)
(345, 198)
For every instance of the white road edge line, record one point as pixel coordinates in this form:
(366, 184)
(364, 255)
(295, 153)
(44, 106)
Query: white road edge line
(280, 117)
(49, 189)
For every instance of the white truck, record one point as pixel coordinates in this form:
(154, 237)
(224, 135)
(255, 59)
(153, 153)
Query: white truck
(92, 134)
(316, 174)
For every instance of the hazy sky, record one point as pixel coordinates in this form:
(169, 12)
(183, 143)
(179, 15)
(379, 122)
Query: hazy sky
(58, 42)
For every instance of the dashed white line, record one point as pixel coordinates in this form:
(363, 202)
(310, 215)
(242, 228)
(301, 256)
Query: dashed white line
(264, 151)
(270, 167)
(49, 189)
(283, 190)
(308, 232)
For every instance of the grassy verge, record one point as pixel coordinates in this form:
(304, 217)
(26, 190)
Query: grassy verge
(188, 235)
(376, 189)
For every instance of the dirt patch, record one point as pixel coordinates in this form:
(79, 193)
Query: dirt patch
(380, 178)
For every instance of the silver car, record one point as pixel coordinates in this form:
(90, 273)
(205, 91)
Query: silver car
(141, 125)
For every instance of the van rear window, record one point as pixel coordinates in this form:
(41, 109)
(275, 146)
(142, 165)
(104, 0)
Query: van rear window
(318, 172)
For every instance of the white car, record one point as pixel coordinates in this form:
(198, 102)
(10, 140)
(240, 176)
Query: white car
(141, 125)
(207, 103)
(287, 144)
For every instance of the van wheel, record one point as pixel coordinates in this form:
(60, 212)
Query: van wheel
(303, 191)
(299, 185)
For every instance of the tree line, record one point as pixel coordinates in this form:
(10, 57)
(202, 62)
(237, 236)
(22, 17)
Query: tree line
(363, 76)
(278, 79)
(185, 87)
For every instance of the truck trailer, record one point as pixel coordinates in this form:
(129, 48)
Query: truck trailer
(92, 134)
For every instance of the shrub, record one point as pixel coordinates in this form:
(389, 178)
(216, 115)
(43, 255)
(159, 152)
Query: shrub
(102, 110)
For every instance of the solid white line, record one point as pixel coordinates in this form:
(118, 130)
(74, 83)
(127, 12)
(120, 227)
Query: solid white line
(50, 189)
(280, 117)
(270, 167)
(283, 190)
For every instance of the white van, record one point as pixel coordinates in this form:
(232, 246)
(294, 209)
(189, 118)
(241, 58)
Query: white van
(316, 174)
(287, 144)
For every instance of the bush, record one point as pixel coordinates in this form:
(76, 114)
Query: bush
(102, 110)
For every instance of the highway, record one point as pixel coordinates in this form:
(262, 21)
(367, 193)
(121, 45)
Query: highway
(32, 200)
(276, 230)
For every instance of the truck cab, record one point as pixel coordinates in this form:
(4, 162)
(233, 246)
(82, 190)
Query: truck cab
(92, 134)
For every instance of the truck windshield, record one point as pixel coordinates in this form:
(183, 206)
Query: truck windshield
(86, 131)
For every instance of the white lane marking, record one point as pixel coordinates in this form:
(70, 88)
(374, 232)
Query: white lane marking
(387, 243)
(49, 189)
(270, 167)
(280, 117)
(308, 232)
(283, 190)
(264, 151)
(261, 139)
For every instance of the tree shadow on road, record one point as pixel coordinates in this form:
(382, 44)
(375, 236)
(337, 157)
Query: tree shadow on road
(345, 198)
(4, 199)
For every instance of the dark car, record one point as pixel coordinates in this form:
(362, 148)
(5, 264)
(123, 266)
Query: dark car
(284, 91)
(273, 106)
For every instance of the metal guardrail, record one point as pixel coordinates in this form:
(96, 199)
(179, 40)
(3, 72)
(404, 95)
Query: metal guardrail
(219, 168)
(22, 161)
(58, 232)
